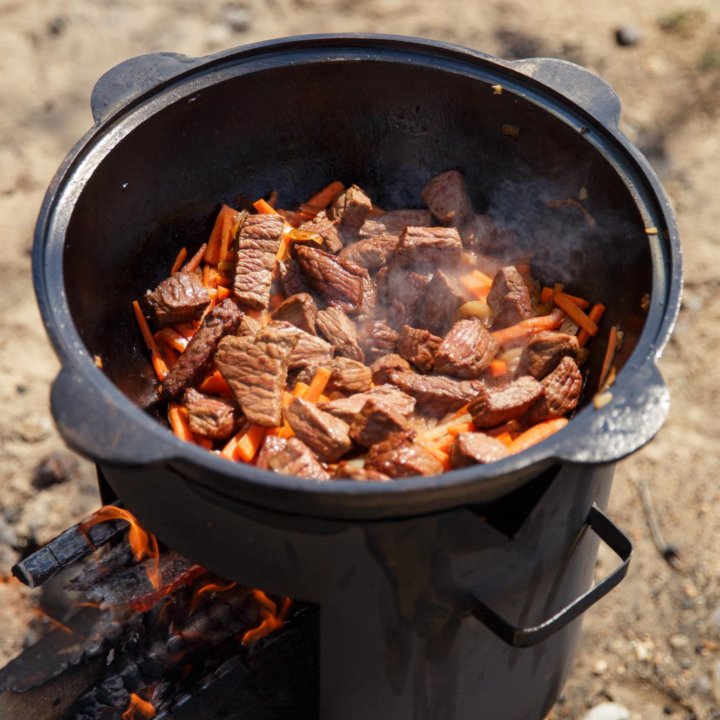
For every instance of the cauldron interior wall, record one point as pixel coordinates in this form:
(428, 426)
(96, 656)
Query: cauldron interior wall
(388, 127)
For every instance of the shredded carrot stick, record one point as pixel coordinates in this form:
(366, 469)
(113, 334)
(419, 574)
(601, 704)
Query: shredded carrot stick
(179, 260)
(444, 444)
(547, 294)
(525, 328)
(461, 428)
(283, 247)
(215, 384)
(300, 390)
(575, 313)
(212, 252)
(264, 207)
(537, 433)
(482, 277)
(187, 330)
(511, 426)
(595, 314)
(320, 200)
(476, 283)
(161, 368)
(318, 384)
(250, 443)
(497, 368)
(609, 356)
(442, 456)
(223, 293)
(194, 262)
(505, 438)
(172, 339)
(178, 418)
(461, 411)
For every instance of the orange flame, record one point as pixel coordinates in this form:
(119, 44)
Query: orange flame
(204, 590)
(138, 709)
(142, 543)
(272, 618)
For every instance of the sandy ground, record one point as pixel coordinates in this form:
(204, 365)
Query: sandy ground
(653, 644)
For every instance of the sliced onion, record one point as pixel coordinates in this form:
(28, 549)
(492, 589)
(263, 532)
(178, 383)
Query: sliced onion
(475, 309)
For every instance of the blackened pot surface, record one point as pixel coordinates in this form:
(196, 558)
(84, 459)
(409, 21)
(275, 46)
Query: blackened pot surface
(387, 113)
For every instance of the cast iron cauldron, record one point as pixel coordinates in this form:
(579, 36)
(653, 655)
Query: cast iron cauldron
(174, 137)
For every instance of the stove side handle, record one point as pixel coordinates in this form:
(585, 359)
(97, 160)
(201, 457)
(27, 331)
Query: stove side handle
(520, 637)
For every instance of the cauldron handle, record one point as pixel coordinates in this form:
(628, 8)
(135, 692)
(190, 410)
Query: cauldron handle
(530, 636)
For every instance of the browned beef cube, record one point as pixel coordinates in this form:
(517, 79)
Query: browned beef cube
(309, 351)
(348, 408)
(377, 338)
(375, 422)
(339, 281)
(393, 223)
(300, 310)
(560, 393)
(430, 247)
(210, 416)
(248, 326)
(326, 435)
(466, 350)
(494, 407)
(436, 395)
(349, 376)
(350, 210)
(221, 320)
(292, 280)
(371, 253)
(341, 332)
(257, 243)
(256, 369)
(290, 457)
(321, 225)
(544, 351)
(401, 292)
(471, 448)
(418, 347)
(447, 197)
(442, 297)
(347, 471)
(179, 298)
(387, 364)
(509, 298)
(401, 456)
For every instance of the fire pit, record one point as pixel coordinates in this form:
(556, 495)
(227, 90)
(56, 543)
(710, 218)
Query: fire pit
(429, 588)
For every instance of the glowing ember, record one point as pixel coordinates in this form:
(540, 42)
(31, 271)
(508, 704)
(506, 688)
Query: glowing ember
(211, 587)
(138, 709)
(272, 617)
(142, 543)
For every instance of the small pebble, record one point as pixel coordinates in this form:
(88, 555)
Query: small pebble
(628, 35)
(608, 711)
(600, 667)
(54, 469)
(679, 641)
(33, 429)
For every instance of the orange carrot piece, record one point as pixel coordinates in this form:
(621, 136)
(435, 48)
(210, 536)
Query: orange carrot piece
(609, 356)
(525, 328)
(537, 433)
(505, 438)
(172, 339)
(250, 443)
(318, 384)
(595, 314)
(461, 428)
(320, 200)
(215, 384)
(444, 444)
(575, 313)
(476, 285)
(511, 426)
(546, 295)
(223, 293)
(212, 252)
(194, 262)
(179, 260)
(161, 368)
(283, 247)
(276, 299)
(442, 456)
(497, 368)
(461, 411)
(178, 418)
(186, 329)
(264, 207)
(300, 390)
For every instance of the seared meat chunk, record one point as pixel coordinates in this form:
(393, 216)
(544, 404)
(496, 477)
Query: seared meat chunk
(309, 350)
(321, 225)
(472, 447)
(326, 435)
(388, 395)
(377, 338)
(441, 299)
(436, 395)
(394, 222)
(418, 347)
(300, 310)
(339, 281)
(350, 210)
(386, 364)
(210, 416)
(179, 298)
(466, 350)
(560, 393)
(371, 253)
(402, 292)
(340, 330)
(292, 280)
(257, 243)
(509, 298)
(290, 457)
(544, 351)
(447, 197)
(256, 369)
(431, 247)
(493, 407)
(349, 376)
(375, 422)
(222, 320)
(347, 471)
(248, 326)
(400, 455)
